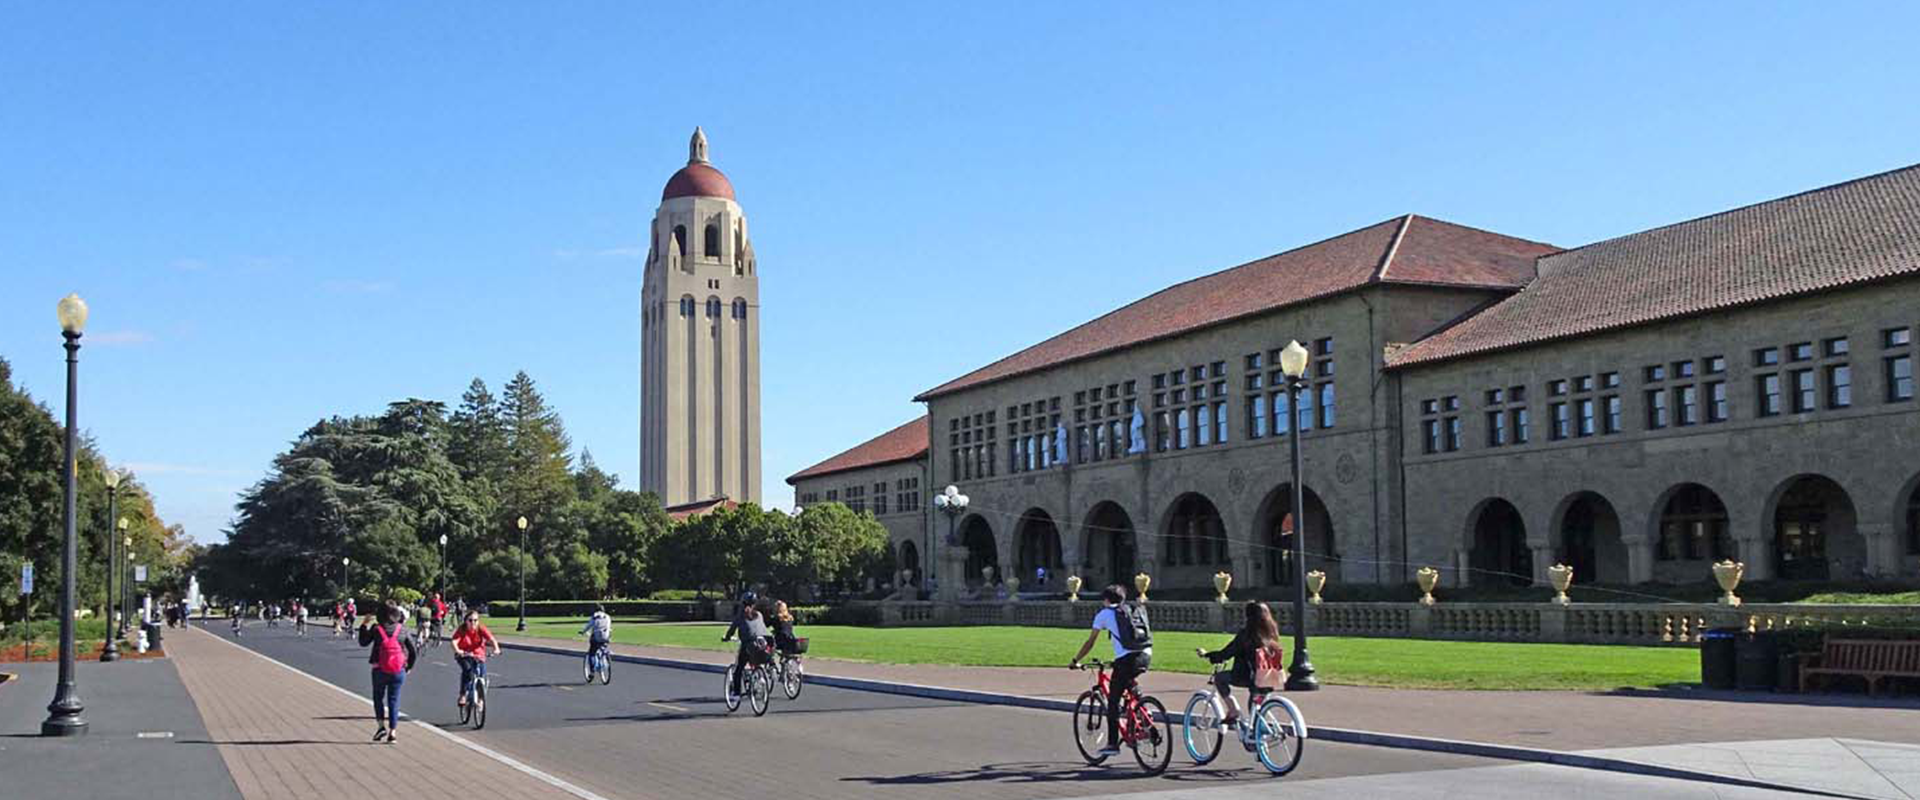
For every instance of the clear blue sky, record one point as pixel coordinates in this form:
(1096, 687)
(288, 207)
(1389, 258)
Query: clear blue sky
(284, 211)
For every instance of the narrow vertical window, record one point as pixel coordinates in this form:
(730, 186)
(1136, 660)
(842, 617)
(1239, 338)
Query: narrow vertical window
(1803, 390)
(1899, 378)
(1326, 404)
(1839, 385)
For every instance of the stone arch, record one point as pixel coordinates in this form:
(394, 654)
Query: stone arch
(1036, 547)
(1691, 528)
(1109, 549)
(976, 537)
(710, 246)
(1497, 545)
(1906, 518)
(1273, 543)
(680, 240)
(909, 560)
(1191, 542)
(1586, 536)
(1814, 527)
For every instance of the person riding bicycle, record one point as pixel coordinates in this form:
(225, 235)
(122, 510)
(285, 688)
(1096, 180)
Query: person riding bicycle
(470, 643)
(599, 629)
(439, 615)
(751, 625)
(1126, 624)
(781, 624)
(1255, 647)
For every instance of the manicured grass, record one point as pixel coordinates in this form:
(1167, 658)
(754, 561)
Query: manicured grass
(1403, 663)
(1862, 598)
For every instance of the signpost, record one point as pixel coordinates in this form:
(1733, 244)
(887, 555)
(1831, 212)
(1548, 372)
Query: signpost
(26, 590)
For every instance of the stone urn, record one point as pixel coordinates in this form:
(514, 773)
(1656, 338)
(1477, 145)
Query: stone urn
(1316, 580)
(1221, 582)
(1727, 574)
(1013, 587)
(1140, 583)
(1561, 576)
(1073, 588)
(1428, 578)
(986, 575)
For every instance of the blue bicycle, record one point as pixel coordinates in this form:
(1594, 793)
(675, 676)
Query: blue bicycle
(599, 664)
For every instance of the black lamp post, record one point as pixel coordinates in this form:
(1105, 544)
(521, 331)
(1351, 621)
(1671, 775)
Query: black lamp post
(522, 523)
(110, 650)
(346, 577)
(63, 714)
(951, 503)
(1293, 364)
(443, 566)
(126, 580)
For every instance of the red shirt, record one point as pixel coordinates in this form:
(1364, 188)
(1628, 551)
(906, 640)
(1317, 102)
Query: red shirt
(473, 641)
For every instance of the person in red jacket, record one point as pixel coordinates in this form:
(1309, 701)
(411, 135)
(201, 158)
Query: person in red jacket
(470, 643)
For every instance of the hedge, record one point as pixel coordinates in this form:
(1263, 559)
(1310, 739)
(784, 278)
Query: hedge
(670, 610)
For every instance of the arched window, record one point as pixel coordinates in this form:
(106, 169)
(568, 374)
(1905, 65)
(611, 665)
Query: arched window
(686, 306)
(1693, 526)
(680, 240)
(712, 249)
(739, 308)
(713, 307)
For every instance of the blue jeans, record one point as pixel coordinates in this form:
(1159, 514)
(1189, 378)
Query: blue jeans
(386, 697)
(470, 668)
(596, 658)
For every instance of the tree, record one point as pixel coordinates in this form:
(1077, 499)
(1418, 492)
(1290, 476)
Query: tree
(30, 486)
(495, 575)
(537, 484)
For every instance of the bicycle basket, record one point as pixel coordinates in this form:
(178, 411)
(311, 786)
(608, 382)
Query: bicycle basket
(799, 647)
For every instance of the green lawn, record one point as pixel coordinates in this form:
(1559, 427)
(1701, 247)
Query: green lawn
(1864, 598)
(1404, 663)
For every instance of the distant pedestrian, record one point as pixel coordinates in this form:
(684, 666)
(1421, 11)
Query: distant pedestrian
(393, 654)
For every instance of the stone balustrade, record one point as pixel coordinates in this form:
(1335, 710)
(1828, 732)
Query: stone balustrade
(1575, 623)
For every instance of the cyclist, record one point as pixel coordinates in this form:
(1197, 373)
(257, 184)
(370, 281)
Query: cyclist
(781, 623)
(600, 630)
(1257, 641)
(1126, 625)
(751, 625)
(238, 610)
(439, 616)
(420, 619)
(470, 643)
(299, 618)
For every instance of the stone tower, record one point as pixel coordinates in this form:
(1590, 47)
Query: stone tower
(700, 343)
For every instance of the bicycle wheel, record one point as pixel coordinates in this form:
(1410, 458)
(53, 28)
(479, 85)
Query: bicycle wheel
(586, 666)
(466, 708)
(1201, 731)
(480, 703)
(762, 691)
(732, 697)
(1152, 741)
(1279, 735)
(1090, 725)
(606, 668)
(791, 675)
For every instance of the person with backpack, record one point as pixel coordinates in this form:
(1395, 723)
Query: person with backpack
(1257, 659)
(1132, 636)
(393, 655)
(751, 626)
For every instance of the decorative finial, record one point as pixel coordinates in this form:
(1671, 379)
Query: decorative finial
(697, 149)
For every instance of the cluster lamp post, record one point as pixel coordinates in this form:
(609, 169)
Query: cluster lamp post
(63, 714)
(109, 650)
(522, 524)
(1293, 364)
(951, 503)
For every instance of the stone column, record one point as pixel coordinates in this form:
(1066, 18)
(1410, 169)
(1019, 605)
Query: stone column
(1757, 554)
(1542, 559)
(1461, 561)
(1639, 560)
(1883, 554)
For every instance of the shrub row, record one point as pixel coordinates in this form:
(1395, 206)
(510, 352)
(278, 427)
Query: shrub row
(671, 610)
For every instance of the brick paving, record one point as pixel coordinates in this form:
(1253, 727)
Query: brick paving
(1554, 720)
(283, 735)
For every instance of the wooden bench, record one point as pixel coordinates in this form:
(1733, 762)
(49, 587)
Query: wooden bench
(1866, 658)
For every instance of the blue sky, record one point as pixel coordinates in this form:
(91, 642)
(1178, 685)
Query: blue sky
(280, 212)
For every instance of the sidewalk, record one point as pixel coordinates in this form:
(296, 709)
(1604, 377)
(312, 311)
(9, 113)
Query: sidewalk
(285, 735)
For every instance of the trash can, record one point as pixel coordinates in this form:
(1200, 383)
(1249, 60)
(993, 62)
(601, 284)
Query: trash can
(1717, 660)
(153, 634)
(1757, 658)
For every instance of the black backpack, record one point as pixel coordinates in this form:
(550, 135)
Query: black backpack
(1136, 633)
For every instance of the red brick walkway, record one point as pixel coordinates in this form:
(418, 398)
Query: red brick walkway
(286, 735)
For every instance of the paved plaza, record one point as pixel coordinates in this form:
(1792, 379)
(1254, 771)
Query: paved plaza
(272, 715)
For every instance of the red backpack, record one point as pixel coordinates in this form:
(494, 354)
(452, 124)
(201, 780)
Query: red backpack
(1266, 667)
(391, 655)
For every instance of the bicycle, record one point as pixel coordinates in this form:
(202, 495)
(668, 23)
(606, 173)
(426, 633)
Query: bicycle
(758, 685)
(1152, 744)
(790, 670)
(599, 663)
(474, 711)
(1277, 734)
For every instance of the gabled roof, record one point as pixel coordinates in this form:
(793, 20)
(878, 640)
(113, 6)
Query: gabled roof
(1850, 233)
(698, 507)
(905, 443)
(1406, 250)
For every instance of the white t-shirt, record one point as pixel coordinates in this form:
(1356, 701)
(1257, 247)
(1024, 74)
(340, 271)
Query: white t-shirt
(1108, 621)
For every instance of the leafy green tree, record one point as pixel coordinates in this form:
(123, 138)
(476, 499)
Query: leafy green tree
(495, 575)
(30, 488)
(574, 573)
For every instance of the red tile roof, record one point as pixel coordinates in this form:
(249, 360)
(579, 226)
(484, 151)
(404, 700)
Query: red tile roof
(697, 180)
(1863, 230)
(904, 443)
(698, 507)
(1409, 249)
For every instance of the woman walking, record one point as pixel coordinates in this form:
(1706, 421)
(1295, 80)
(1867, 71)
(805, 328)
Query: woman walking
(393, 654)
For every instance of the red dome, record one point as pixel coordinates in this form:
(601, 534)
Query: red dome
(697, 180)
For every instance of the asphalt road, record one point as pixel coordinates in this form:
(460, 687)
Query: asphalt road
(663, 732)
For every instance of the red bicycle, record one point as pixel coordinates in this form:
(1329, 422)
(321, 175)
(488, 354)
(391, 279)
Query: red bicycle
(1150, 740)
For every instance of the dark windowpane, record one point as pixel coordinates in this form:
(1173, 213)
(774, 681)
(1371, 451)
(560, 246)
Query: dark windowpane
(1586, 417)
(1495, 397)
(1522, 426)
(1900, 378)
(1432, 430)
(1768, 390)
(1326, 405)
(1683, 369)
(1562, 422)
(1836, 346)
(1656, 372)
(1583, 383)
(1839, 386)
(1656, 409)
(1716, 364)
(1613, 404)
(1717, 401)
(1896, 337)
(1803, 391)
(1610, 380)
(1496, 428)
(1687, 405)
(1800, 352)
(1766, 356)
(1453, 434)
(1517, 394)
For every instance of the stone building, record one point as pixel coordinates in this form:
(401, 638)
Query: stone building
(886, 476)
(700, 343)
(1738, 385)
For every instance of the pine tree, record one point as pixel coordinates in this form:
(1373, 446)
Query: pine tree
(479, 441)
(538, 483)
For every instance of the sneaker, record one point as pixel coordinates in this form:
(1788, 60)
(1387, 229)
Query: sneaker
(390, 737)
(1230, 723)
(1109, 750)
(381, 734)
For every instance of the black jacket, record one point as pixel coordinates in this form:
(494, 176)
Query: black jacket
(1241, 651)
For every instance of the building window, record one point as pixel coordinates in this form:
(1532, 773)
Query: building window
(1453, 434)
(1586, 422)
(1686, 401)
(680, 241)
(712, 249)
(739, 308)
(1766, 357)
(1496, 428)
(1203, 424)
(1521, 425)
(1800, 352)
(1839, 385)
(1835, 347)
(1656, 409)
(1611, 422)
(1278, 401)
(1219, 424)
(1326, 406)
(1431, 429)
(686, 306)
(1803, 390)
(1767, 389)
(908, 496)
(1562, 422)
(1899, 378)
(1716, 364)
(1717, 401)
(713, 308)
(1256, 416)
(1610, 380)
(1185, 426)
(1556, 388)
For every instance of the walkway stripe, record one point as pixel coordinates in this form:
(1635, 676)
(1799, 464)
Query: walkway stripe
(669, 707)
(544, 777)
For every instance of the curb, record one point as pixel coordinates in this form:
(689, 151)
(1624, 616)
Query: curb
(1344, 735)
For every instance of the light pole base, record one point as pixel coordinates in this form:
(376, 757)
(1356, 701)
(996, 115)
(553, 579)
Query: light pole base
(63, 721)
(522, 627)
(110, 654)
(1300, 677)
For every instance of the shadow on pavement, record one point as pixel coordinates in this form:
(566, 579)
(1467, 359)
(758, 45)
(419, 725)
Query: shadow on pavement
(1019, 772)
(1688, 691)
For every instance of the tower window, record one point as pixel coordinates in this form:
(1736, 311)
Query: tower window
(680, 240)
(686, 306)
(713, 306)
(712, 242)
(739, 308)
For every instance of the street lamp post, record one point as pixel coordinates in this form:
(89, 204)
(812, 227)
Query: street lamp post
(346, 576)
(522, 524)
(951, 503)
(1293, 364)
(109, 650)
(63, 714)
(443, 565)
(126, 577)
